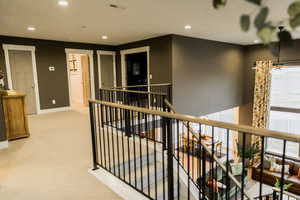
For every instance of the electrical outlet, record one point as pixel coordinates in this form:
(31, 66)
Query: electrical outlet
(51, 68)
(53, 101)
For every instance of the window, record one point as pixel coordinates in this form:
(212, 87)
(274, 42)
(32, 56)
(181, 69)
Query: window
(285, 108)
(220, 133)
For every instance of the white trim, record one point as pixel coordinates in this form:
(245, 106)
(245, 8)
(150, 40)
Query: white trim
(90, 53)
(4, 144)
(123, 63)
(18, 47)
(8, 47)
(123, 190)
(53, 110)
(114, 66)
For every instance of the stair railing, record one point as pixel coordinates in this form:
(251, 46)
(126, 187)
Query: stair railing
(210, 152)
(121, 154)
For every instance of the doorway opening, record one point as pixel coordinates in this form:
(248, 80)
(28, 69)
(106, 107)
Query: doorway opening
(135, 67)
(80, 87)
(80, 70)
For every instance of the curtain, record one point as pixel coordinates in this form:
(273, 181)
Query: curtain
(261, 104)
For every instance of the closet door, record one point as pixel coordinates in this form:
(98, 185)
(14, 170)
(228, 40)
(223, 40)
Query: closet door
(107, 71)
(21, 67)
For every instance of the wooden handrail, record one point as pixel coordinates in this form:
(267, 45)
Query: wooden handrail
(225, 125)
(134, 86)
(133, 91)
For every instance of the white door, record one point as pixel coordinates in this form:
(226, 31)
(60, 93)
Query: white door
(107, 71)
(21, 67)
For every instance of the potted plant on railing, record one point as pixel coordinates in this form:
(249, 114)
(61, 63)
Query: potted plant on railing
(249, 154)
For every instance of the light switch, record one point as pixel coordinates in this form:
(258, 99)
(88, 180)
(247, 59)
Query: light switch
(51, 68)
(150, 76)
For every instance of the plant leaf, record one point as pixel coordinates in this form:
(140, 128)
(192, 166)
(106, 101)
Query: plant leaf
(245, 22)
(257, 2)
(295, 22)
(294, 9)
(219, 3)
(285, 37)
(265, 34)
(261, 17)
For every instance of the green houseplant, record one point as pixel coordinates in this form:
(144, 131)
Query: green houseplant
(249, 153)
(285, 186)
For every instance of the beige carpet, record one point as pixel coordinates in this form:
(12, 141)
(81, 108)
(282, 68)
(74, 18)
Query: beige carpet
(52, 164)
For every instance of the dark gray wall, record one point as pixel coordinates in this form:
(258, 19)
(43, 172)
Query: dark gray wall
(160, 58)
(207, 75)
(52, 85)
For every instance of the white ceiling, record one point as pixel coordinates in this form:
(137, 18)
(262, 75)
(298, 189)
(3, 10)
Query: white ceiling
(140, 20)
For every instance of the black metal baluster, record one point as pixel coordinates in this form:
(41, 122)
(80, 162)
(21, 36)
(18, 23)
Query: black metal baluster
(134, 150)
(99, 133)
(107, 133)
(170, 159)
(188, 158)
(164, 145)
(117, 134)
(261, 166)
(103, 134)
(127, 115)
(147, 147)
(141, 153)
(243, 164)
(199, 164)
(227, 164)
(122, 135)
(204, 169)
(282, 170)
(178, 148)
(212, 161)
(155, 163)
(94, 143)
(112, 138)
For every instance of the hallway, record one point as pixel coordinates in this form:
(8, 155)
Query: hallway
(53, 163)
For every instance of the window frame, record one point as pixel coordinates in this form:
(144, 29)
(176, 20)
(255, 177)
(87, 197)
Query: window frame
(285, 110)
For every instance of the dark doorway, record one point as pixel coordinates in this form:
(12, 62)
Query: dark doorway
(136, 65)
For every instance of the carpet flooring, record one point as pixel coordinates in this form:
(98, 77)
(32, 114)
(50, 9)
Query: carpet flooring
(52, 163)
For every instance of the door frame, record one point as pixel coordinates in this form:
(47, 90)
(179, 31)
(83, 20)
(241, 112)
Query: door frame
(8, 47)
(90, 53)
(124, 67)
(100, 52)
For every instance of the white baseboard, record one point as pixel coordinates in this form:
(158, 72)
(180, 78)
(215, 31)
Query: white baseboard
(53, 110)
(4, 144)
(119, 187)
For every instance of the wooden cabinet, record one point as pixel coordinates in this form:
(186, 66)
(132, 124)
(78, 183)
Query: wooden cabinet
(15, 116)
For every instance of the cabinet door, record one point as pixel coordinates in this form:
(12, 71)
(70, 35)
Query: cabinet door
(15, 119)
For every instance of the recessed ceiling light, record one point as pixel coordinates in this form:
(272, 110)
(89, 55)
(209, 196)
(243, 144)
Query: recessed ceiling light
(63, 3)
(188, 27)
(30, 28)
(104, 37)
(256, 41)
